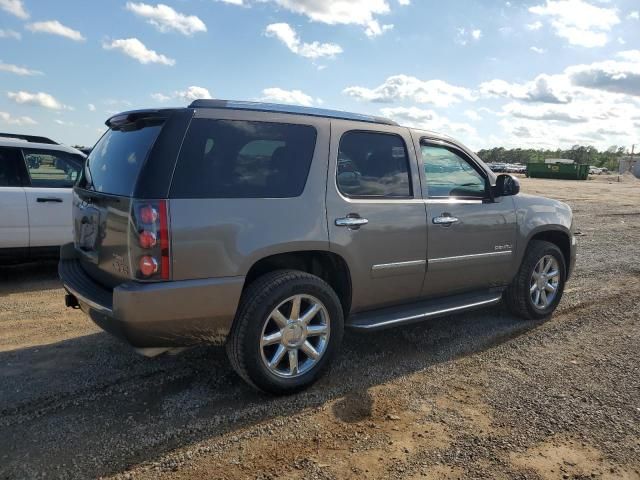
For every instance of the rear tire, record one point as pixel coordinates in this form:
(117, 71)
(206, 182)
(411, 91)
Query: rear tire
(273, 345)
(537, 289)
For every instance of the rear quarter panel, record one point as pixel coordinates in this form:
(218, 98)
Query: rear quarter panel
(224, 237)
(535, 215)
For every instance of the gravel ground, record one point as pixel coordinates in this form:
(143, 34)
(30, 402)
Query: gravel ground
(480, 395)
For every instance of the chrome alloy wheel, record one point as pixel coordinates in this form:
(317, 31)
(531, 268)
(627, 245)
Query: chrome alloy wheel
(545, 281)
(295, 336)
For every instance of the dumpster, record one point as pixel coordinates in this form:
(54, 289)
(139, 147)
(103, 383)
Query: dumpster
(564, 171)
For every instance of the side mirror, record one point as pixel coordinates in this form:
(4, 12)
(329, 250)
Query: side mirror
(506, 185)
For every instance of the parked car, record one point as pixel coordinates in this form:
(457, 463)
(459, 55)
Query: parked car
(36, 176)
(272, 228)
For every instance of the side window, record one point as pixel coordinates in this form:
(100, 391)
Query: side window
(52, 169)
(448, 174)
(373, 165)
(241, 159)
(10, 168)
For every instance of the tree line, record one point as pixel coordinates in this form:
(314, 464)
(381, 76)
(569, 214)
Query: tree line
(586, 155)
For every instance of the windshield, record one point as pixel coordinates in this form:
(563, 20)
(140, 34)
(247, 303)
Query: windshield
(115, 162)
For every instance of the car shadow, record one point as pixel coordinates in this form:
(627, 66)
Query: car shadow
(90, 406)
(29, 277)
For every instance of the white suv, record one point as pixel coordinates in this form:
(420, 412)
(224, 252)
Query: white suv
(36, 177)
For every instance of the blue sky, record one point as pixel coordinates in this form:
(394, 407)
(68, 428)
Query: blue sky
(539, 73)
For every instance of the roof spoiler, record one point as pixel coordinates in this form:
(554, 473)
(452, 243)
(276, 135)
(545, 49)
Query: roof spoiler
(126, 118)
(29, 138)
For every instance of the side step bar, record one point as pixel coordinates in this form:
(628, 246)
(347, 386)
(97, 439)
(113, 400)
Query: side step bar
(415, 312)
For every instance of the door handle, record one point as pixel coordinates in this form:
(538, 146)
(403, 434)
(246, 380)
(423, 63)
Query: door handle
(49, 199)
(351, 221)
(445, 219)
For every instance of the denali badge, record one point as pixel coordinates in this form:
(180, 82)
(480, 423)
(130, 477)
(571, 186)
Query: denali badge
(502, 248)
(120, 265)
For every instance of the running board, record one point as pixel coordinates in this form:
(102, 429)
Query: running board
(415, 312)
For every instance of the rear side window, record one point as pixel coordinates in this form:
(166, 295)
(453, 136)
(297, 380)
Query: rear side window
(373, 165)
(115, 162)
(241, 159)
(52, 169)
(10, 168)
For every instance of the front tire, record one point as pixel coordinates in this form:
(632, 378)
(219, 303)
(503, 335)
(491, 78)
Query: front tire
(288, 328)
(537, 289)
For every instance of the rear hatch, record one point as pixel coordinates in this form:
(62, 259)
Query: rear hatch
(104, 208)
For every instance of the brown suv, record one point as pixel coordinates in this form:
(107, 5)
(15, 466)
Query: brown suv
(272, 228)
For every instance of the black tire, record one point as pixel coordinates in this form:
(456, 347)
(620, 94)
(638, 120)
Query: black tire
(258, 301)
(518, 295)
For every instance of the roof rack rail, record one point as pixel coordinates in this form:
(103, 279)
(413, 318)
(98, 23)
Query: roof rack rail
(29, 138)
(295, 109)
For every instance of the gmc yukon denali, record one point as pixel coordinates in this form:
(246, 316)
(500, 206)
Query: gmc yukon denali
(272, 228)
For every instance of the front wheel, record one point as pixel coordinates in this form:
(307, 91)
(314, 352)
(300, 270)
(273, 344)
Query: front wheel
(537, 289)
(288, 328)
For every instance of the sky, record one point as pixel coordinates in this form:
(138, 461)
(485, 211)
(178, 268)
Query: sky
(530, 74)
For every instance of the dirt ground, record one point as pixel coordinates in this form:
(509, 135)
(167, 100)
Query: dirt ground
(479, 395)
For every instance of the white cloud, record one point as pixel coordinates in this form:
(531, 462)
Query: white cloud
(18, 121)
(537, 25)
(160, 97)
(288, 36)
(134, 48)
(188, 95)
(405, 87)
(463, 35)
(472, 115)
(91, 107)
(63, 123)
(617, 76)
(363, 13)
(546, 112)
(635, 15)
(537, 50)
(39, 99)
(578, 21)
(193, 93)
(429, 120)
(10, 34)
(54, 27)
(7, 67)
(14, 7)
(294, 97)
(165, 18)
(544, 88)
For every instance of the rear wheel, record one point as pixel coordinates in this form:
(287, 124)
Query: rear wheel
(288, 328)
(539, 284)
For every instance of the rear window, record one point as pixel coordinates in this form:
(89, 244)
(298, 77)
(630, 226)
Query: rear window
(116, 160)
(241, 159)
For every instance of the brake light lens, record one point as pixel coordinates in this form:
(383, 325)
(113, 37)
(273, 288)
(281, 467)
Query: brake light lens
(148, 239)
(152, 245)
(148, 214)
(148, 265)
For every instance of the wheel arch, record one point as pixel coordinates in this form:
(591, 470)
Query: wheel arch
(329, 266)
(560, 237)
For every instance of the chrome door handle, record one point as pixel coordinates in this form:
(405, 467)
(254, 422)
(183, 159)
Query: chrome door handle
(351, 222)
(445, 219)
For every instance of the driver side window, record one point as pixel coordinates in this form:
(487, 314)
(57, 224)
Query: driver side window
(449, 175)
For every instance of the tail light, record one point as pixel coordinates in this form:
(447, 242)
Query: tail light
(151, 247)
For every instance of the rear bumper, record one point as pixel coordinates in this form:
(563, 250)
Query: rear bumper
(164, 314)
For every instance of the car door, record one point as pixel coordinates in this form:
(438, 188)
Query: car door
(14, 217)
(376, 216)
(52, 175)
(471, 236)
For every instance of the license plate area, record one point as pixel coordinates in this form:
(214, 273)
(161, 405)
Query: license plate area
(88, 233)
